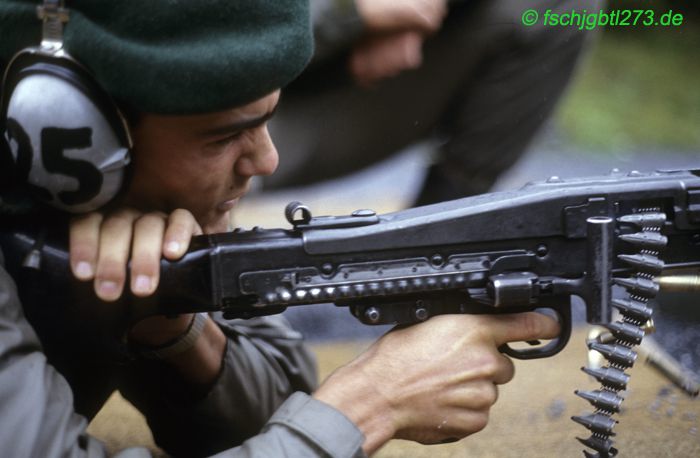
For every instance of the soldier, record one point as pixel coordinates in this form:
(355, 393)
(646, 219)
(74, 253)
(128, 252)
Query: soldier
(466, 78)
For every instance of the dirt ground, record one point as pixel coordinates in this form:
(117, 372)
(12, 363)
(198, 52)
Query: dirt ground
(531, 418)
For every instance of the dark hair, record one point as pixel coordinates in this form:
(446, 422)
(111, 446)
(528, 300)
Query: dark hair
(130, 113)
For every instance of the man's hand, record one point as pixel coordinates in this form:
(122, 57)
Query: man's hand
(396, 30)
(384, 56)
(434, 381)
(101, 247)
(388, 15)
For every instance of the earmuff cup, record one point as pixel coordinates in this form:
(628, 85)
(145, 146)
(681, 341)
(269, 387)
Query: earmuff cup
(64, 137)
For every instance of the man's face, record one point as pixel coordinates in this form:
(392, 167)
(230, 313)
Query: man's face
(202, 163)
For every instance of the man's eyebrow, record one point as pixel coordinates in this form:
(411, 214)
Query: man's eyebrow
(239, 126)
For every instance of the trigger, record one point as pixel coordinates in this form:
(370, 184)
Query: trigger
(533, 342)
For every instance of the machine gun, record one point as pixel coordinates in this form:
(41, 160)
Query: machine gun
(496, 253)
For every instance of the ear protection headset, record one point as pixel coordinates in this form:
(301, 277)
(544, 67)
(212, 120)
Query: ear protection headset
(64, 138)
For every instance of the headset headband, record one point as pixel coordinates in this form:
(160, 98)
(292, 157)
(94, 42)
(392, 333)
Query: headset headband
(54, 15)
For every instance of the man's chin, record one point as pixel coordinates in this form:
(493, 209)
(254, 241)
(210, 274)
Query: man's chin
(217, 222)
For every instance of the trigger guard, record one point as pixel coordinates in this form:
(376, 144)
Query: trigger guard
(553, 347)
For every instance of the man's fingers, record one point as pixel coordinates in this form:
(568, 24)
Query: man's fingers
(386, 56)
(146, 252)
(404, 51)
(114, 247)
(427, 15)
(387, 15)
(100, 247)
(505, 371)
(519, 327)
(84, 245)
(180, 229)
(475, 395)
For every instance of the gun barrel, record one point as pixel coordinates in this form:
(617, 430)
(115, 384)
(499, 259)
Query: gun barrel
(688, 283)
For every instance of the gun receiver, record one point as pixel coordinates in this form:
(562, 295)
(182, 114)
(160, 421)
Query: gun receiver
(495, 253)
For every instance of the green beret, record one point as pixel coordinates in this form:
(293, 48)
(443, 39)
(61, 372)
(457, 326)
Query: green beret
(176, 56)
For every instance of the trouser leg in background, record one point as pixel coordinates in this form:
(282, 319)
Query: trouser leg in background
(486, 85)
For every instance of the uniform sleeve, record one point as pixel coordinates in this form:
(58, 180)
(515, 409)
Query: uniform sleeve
(336, 24)
(36, 403)
(306, 427)
(265, 362)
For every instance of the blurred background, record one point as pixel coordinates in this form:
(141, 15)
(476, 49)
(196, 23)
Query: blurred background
(639, 89)
(633, 103)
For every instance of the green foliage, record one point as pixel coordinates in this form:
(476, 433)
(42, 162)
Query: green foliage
(639, 88)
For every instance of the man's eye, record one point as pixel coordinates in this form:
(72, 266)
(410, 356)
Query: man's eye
(228, 139)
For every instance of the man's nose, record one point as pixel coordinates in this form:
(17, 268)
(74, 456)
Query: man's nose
(261, 160)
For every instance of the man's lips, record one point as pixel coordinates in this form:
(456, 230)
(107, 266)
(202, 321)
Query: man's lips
(227, 205)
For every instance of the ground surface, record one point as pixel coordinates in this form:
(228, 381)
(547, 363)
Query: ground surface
(531, 417)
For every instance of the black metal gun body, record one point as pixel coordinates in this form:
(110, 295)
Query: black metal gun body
(494, 253)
